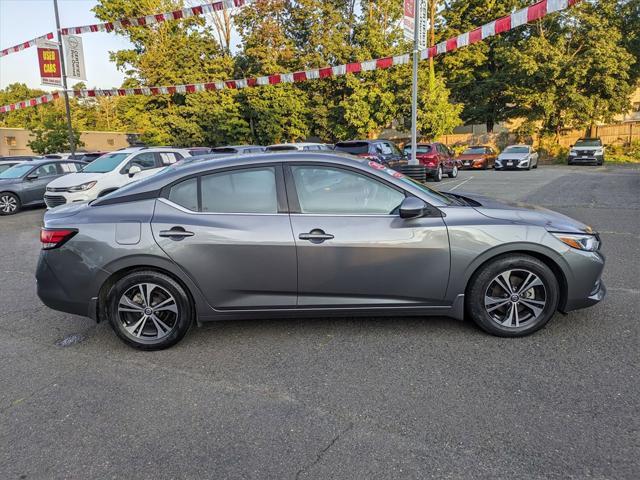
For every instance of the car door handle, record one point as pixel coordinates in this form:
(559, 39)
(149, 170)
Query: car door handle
(315, 236)
(176, 232)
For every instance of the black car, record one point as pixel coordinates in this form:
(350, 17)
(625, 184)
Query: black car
(24, 184)
(381, 151)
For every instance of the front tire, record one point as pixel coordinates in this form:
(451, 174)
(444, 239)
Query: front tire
(149, 310)
(512, 296)
(454, 172)
(9, 204)
(438, 176)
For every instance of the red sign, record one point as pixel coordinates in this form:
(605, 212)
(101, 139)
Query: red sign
(49, 62)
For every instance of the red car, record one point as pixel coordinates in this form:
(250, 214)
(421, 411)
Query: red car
(477, 157)
(437, 158)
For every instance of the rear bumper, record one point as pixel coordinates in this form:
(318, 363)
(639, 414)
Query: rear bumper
(51, 292)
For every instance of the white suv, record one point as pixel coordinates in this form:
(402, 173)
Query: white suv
(110, 172)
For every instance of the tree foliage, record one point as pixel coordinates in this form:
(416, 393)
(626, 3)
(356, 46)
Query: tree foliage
(571, 69)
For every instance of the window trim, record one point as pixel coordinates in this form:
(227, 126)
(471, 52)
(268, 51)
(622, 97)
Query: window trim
(294, 202)
(281, 197)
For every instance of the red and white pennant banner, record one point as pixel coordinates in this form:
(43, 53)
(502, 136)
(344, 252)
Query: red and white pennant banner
(516, 19)
(27, 44)
(135, 22)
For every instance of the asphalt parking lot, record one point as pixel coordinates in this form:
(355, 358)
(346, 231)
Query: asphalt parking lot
(341, 398)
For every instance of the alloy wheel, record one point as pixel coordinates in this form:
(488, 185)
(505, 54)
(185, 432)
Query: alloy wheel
(515, 298)
(439, 174)
(8, 204)
(147, 312)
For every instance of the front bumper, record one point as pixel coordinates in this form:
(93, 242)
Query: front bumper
(573, 159)
(55, 199)
(472, 164)
(512, 165)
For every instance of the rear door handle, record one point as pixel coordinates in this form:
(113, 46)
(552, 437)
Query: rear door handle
(316, 236)
(176, 232)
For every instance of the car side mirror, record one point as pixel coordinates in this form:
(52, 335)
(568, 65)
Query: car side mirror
(413, 207)
(33, 176)
(133, 170)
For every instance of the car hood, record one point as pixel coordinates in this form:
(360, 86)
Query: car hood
(513, 156)
(589, 149)
(471, 156)
(522, 213)
(74, 179)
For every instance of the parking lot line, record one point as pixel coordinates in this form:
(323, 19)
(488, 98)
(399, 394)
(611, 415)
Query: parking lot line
(460, 184)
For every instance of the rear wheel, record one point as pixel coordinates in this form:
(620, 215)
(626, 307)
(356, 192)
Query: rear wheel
(512, 296)
(454, 172)
(149, 310)
(9, 203)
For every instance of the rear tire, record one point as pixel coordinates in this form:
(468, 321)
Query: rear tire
(9, 204)
(149, 310)
(527, 307)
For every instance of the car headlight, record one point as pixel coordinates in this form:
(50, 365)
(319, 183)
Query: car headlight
(580, 241)
(573, 152)
(83, 187)
(599, 151)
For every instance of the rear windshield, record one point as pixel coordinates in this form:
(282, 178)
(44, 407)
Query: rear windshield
(106, 163)
(516, 150)
(589, 142)
(354, 148)
(419, 149)
(474, 151)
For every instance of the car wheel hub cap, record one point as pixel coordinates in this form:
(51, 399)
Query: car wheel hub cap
(7, 204)
(147, 312)
(515, 298)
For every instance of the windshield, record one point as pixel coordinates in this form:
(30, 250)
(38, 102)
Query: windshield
(516, 150)
(354, 148)
(16, 171)
(5, 166)
(432, 194)
(474, 151)
(106, 163)
(419, 149)
(587, 142)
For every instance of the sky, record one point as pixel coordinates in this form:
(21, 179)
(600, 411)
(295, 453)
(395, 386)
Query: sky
(22, 20)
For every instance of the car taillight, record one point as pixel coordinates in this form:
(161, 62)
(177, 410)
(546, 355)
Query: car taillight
(55, 237)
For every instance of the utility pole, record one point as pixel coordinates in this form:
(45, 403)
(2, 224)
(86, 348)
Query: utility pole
(72, 140)
(414, 83)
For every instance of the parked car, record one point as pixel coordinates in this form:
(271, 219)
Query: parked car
(518, 157)
(308, 234)
(302, 146)
(198, 151)
(23, 185)
(87, 156)
(110, 172)
(477, 157)
(437, 158)
(18, 158)
(237, 149)
(381, 151)
(587, 150)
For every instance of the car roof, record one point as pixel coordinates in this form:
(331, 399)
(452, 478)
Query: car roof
(518, 145)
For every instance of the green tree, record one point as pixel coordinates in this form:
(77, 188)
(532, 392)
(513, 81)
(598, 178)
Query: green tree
(52, 136)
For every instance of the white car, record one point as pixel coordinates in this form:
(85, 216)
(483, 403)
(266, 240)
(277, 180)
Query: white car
(110, 172)
(517, 157)
(303, 146)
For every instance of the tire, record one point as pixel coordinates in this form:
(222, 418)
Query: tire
(438, 175)
(454, 172)
(490, 306)
(9, 204)
(132, 310)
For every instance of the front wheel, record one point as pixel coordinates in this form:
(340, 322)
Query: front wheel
(149, 310)
(9, 203)
(438, 176)
(453, 173)
(512, 296)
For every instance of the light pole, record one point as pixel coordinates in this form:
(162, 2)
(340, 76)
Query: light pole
(414, 83)
(72, 141)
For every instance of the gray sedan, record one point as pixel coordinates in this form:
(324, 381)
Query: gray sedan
(306, 234)
(24, 184)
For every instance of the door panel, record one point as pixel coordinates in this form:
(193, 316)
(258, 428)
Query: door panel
(371, 260)
(33, 190)
(238, 261)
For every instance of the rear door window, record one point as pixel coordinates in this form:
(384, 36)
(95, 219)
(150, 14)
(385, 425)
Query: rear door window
(251, 190)
(185, 194)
